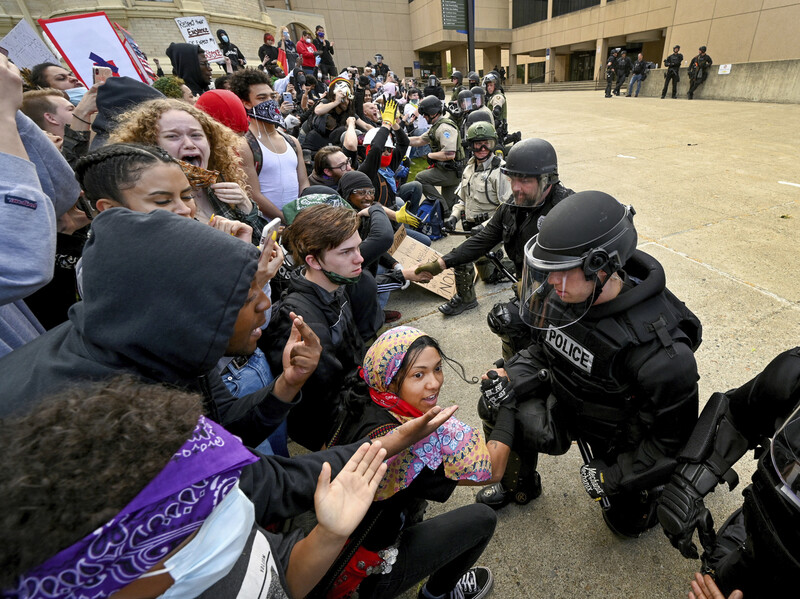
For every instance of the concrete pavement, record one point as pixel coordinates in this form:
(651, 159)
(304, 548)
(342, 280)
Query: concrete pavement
(716, 188)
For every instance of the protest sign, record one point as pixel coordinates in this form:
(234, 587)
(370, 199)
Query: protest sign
(411, 253)
(25, 47)
(79, 36)
(195, 30)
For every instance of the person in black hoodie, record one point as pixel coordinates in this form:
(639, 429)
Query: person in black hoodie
(324, 240)
(189, 62)
(231, 51)
(164, 298)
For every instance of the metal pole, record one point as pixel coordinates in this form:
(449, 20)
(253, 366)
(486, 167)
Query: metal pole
(471, 34)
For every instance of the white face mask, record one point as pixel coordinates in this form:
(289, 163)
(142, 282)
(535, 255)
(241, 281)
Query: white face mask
(213, 551)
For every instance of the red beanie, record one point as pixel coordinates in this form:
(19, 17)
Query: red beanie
(224, 106)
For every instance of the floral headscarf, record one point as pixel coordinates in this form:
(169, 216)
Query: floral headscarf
(455, 444)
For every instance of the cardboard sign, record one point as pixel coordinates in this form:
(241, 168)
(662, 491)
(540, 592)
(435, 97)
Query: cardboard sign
(411, 252)
(78, 36)
(195, 30)
(25, 48)
(399, 236)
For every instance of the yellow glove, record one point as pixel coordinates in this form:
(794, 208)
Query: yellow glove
(432, 267)
(389, 111)
(402, 216)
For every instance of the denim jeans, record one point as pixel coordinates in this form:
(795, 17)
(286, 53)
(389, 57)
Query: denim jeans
(444, 547)
(638, 80)
(248, 378)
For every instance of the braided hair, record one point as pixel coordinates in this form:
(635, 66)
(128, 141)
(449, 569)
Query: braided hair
(115, 167)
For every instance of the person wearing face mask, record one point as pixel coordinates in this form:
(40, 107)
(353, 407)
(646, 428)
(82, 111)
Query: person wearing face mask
(381, 68)
(231, 51)
(308, 53)
(325, 52)
(324, 241)
(197, 500)
(289, 47)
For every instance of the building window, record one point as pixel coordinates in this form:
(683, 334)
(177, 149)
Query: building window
(563, 7)
(525, 12)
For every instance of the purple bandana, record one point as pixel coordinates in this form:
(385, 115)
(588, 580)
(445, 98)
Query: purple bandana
(268, 112)
(171, 507)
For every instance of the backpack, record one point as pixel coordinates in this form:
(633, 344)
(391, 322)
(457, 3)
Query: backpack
(431, 218)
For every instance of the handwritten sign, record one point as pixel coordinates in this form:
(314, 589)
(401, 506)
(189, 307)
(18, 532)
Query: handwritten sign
(724, 69)
(25, 48)
(195, 30)
(399, 236)
(411, 252)
(78, 36)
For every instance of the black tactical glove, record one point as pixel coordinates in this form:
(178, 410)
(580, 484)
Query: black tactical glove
(598, 478)
(680, 511)
(450, 223)
(497, 390)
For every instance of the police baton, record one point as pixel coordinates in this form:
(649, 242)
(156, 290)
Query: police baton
(495, 258)
(586, 454)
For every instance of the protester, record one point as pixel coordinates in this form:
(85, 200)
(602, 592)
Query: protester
(235, 60)
(210, 148)
(268, 52)
(325, 49)
(289, 48)
(189, 62)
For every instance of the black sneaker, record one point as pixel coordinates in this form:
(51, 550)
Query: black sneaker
(456, 306)
(475, 584)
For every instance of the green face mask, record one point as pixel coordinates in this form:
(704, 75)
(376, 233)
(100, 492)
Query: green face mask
(338, 279)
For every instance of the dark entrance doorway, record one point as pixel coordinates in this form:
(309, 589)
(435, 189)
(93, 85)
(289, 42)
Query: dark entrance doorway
(581, 66)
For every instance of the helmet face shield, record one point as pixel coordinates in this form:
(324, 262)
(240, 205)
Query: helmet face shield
(465, 104)
(554, 295)
(526, 190)
(785, 453)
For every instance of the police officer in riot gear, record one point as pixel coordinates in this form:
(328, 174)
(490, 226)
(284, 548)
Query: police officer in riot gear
(673, 64)
(757, 550)
(458, 85)
(479, 104)
(446, 155)
(434, 88)
(532, 169)
(496, 102)
(611, 364)
(474, 79)
(611, 63)
(483, 189)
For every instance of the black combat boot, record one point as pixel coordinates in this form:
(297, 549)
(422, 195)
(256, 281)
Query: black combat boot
(464, 299)
(521, 484)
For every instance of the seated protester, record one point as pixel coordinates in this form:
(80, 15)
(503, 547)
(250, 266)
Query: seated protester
(149, 310)
(377, 236)
(196, 500)
(272, 160)
(324, 240)
(382, 161)
(331, 115)
(145, 178)
(371, 114)
(189, 62)
(402, 378)
(209, 147)
(330, 164)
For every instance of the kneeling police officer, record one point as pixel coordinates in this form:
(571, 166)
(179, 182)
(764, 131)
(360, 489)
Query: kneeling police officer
(611, 365)
(532, 169)
(757, 550)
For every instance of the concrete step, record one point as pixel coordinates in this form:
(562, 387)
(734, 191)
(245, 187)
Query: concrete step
(559, 86)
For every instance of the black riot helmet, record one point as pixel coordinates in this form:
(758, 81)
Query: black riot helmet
(457, 77)
(430, 106)
(479, 116)
(433, 81)
(465, 100)
(478, 97)
(582, 243)
(491, 78)
(532, 158)
(772, 504)
(474, 79)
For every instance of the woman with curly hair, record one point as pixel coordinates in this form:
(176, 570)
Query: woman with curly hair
(205, 149)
